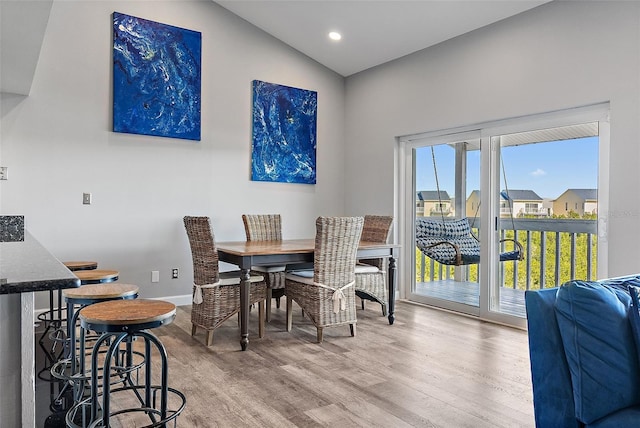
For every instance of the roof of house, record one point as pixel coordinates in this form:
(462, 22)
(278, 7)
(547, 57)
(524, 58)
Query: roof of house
(432, 195)
(503, 194)
(521, 195)
(585, 194)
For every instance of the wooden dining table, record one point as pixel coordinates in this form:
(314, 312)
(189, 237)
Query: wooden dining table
(291, 252)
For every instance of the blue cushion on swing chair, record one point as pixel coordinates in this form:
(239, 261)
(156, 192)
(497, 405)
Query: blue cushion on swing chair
(430, 232)
(470, 259)
(442, 230)
(509, 256)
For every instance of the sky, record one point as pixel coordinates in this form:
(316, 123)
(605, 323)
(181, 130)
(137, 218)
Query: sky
(546, 168)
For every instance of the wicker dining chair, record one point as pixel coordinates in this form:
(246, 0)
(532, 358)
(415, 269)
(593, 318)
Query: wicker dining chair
(326, 294)
(267, 227)
(216, 295)
(371, 273)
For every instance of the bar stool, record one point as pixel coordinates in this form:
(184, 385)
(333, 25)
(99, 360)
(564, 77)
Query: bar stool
(97, 276)
(53, 318)
(86, 276)
(69, 369)
(74, 266)
(119, 321)
(87, 295)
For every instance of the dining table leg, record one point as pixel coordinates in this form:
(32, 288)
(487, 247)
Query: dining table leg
(244, 308)
(392, 289)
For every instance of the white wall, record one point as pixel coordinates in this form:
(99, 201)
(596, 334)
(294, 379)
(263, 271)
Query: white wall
(557, 56)
(58, 143)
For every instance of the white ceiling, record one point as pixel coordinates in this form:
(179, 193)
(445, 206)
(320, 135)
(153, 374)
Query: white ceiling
(373, 31)
(22, 28)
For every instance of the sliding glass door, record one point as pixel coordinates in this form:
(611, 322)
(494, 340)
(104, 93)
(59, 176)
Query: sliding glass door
(524, 193)
(547, 210)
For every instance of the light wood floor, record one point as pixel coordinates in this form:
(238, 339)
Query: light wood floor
(430, 369)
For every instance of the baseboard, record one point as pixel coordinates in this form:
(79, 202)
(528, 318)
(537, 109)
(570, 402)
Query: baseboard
(183, 300)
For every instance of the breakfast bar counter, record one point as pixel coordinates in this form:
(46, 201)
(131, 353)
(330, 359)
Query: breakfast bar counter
(25, 267)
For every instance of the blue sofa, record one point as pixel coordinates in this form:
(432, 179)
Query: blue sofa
(585, 364)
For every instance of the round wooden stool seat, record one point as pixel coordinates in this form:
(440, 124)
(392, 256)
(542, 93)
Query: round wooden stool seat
(100, 291)
(97, 276)
(127, 315)
(80, 265)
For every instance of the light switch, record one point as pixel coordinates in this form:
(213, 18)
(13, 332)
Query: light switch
(86, 198)
(155, 276)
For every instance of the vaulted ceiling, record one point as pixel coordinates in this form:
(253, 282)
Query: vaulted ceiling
(22, 28)
(374, 32)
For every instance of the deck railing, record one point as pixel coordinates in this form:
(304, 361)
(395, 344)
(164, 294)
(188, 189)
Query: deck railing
(556, 250)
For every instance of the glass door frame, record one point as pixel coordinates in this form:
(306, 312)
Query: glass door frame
(408, 147)
(489, 185)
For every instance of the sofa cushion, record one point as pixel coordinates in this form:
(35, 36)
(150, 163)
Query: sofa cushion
(631, 285)
(622, 282)
(600, 348)
(550, 376)
(634, 315)
(625, 418)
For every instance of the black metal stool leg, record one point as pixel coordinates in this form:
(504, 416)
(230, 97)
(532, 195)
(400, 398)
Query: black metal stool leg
(119, 324)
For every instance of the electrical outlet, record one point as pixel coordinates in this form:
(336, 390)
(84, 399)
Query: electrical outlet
(155, 276)
(4, 173)
(174, 273)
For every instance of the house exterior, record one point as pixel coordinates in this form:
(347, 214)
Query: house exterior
(522, 203)
(473, 204)
(428, 204)
(579, 201)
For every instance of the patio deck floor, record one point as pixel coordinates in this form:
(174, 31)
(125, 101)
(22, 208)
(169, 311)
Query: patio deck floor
(511, 301)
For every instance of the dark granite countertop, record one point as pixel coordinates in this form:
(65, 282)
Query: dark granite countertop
(27, 266)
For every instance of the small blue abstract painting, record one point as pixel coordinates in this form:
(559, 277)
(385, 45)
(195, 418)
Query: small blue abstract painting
(156, 78)
(284, 134)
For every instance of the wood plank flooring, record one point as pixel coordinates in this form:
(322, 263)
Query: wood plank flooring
(430, 369)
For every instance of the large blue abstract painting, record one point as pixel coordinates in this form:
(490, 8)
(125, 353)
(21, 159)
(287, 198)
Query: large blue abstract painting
(284, 134)
(156, 78)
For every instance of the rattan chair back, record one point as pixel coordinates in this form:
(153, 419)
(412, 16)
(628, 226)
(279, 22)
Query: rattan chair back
(376, 228)
(330, 300)
(336, 246)
(262, 227)
(267, 227)
(219, 301)
(203, 250)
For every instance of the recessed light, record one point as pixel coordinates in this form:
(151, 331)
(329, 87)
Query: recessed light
(335, 36)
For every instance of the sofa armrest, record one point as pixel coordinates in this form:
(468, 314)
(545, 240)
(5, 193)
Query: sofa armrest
(552, 389)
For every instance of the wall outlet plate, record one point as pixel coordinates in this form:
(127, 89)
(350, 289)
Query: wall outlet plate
(4, 173)
(155, 276)
(174, 273)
